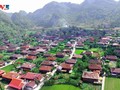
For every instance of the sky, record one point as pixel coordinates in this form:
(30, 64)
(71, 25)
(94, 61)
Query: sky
(30, 5)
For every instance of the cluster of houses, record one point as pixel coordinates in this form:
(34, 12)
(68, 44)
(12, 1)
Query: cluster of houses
(30, 80)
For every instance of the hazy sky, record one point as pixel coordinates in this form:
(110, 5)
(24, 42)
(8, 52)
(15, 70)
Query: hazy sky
(31, 5)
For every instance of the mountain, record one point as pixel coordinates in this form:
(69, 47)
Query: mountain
(20, 19)
(8, 30)
(90, 13)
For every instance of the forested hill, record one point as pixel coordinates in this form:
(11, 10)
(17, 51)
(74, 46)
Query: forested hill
(8, 30)
(91, 13)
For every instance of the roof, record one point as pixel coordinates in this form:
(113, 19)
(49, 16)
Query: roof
(115, 70)
(31, 84)
(28, 65)
(29, 57)
(32, 76)
(45, 68)
(88, 53)
(10, 75)
(34, 53)
(25, 47)
(66, 66)
(95, 67)
(90, 75)
(2, 72)
(95, 62)
(77, 56)
(16, 55)
(51, 58)
(111, 57)
(16, 83)
(47, 55)
(48, 63)
(71, 61)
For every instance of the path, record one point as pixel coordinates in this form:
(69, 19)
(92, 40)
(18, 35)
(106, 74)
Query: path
(103, 83)
(7, 64)
(54, 71)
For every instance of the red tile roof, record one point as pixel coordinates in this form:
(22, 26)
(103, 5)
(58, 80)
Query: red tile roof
(111, 57)
(47, 63)
(95, 67)
(16, 83)
(45, 68)
(51, 58)
(71, 61)
(66, 66)
(28, 65)
(31, 57)
(90, 75)
(2, 72)
(10, 75)
(115, 70)
(32, 76)
(31, 84)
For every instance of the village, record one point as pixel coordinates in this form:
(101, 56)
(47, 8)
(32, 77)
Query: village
(87, 59)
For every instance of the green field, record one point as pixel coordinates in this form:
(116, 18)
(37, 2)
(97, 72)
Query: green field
(8, 68)
(98, 50)
(87, 86)
(60, 87)
(112, 84)
(79, 51)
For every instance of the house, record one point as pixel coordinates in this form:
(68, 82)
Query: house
(67, 51)
(71, 61)
(51, 58)
(29, 76)
(2, 63)
(25, 47)
(16, 84)
(33, 48)
(30, 57)
(69, 45)
(95, 67)
(28, 66)
(24, 52)
(12, 48)
(111, 57)
(75, 56)
(93, 61)
(64, 67)
(1, 72)
(90, 77)
(47, 55)
(30, 85)
(60, 55)
(45, 69)
(54, 44)
(3, 48)
(115, 45)
(88, 53)
(115, 71)
(10, 75)
(79, 45)
(16, 56)
(33, 53)
(48, 63)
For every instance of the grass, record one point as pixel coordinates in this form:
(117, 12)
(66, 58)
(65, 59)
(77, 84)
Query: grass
(112, 84)
(8, 68)
(60, 87)
(79, 51)
(98, 50)
(87, 86)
